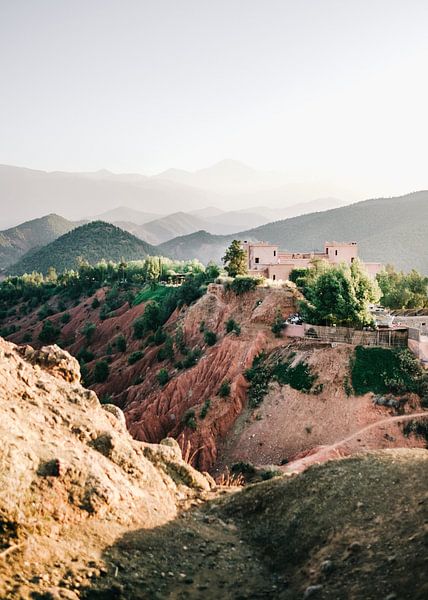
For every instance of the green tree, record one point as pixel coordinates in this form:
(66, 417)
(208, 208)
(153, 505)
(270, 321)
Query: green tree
(152, 269)
(401, 290)
(101, 371)
(235, 259)
(339, 295)
(49, 333)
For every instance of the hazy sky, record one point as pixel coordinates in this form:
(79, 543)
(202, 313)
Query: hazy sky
(331, 89)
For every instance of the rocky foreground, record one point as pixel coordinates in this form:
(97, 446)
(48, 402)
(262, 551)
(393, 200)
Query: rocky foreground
(87, 512)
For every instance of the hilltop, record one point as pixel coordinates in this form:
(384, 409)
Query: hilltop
(17, 241)
(388, 230)
(94, 242)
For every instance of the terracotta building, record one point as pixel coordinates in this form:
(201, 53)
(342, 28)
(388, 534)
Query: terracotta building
(267, 260)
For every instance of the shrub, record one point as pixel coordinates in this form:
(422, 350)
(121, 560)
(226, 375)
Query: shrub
(26, 338)
(278, 324)
(298, 377)
(101, 371)
(382, 370)
(159, 337)
(65, 318)
(121, 343)
(205, 408)
(163, 377)
(232, 326)
(49, 333)
(210, 337)
(84, 355)
(189, 419)
(167, 351)
(243, 468)
(202, 327)
(45, 311)
(192, 358)
(259, 376)
(241, 285)
(88, 331)
(224, 389)
(95, 303)
(135, 357)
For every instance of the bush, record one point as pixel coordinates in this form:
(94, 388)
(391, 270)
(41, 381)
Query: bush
(224, 389)
(205, 408)
(210, 337)
(167, 351)
(278, 324)
(202, 327)
(101, 371)
(95, 303)
(45, 311)
(49, 333)
(189, 419)
(298, 377)
(159, 337)
(65, 318)
(241, 285)
(84, 355)
(383, 370)
(232, 326)
(259, 376)
(162, 377)
(135, 357)
(88, 331)
(192, 358)
(121, 343)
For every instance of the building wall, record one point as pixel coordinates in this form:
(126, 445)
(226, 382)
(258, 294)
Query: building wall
(337, 252)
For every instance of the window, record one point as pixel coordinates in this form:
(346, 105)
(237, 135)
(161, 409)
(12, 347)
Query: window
(273, 277)
(274, 252)
(257, 260)
(352, 259)
(335, 252)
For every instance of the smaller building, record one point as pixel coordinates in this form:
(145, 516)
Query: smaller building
(269, 261)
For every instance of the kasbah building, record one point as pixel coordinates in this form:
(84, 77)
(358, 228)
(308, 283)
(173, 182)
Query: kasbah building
(268, 261)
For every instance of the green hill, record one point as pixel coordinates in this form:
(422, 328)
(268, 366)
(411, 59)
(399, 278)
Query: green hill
(17, 241)
(389, 230)
(93, 242)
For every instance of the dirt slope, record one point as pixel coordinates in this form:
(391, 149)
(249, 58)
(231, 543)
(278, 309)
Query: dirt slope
(351, 529)
(290, 423)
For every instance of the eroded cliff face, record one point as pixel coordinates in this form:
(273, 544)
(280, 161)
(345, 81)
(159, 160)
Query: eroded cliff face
(152, 412)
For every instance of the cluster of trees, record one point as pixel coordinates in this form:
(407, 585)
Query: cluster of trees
(37, 288)
(402, 290)
(336, 294)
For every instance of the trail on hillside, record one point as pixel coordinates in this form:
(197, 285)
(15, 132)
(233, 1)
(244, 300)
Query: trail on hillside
(337, 449)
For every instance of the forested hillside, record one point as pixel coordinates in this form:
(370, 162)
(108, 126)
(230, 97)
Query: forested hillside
(93, 242)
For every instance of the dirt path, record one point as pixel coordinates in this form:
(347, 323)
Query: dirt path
(338, 449)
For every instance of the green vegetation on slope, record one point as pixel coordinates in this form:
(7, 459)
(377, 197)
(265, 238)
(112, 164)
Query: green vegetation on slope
(93, 242)
(383, 370)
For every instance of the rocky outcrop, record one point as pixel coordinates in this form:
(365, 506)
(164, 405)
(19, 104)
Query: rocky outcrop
(67, 459)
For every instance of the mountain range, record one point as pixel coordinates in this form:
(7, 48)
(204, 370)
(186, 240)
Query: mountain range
(388, 230)
(228, 185)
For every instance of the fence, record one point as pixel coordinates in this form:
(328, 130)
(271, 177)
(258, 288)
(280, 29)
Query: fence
(387, 338)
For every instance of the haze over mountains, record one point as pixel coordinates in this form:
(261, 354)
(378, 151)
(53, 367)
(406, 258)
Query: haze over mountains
(228, 185)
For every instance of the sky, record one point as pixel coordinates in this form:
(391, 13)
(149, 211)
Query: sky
(318, 89)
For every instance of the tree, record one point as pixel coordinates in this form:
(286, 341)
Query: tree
(152, 269)
(400, 290)
(339, 295)
(49, 333)
(235, 259)
(101, 371)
